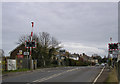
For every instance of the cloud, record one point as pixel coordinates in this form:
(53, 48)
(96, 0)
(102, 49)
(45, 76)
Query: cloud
(80, 48)
(89, 23)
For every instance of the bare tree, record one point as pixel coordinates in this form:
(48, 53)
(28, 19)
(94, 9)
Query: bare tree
(2, 54)
(54, 42)
(24, 38)
(21, 40)
(50, 45)
(47, 46)
(44, 39)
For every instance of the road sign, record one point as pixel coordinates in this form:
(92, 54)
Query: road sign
(20, 56)
(11, 64)
(26, 53)
(20, 52)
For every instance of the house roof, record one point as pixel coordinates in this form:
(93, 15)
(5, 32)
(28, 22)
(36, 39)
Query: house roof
(16, 48)
(74, 55)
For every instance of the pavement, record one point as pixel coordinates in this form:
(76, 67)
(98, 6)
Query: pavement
(104, 75)
(59, 74)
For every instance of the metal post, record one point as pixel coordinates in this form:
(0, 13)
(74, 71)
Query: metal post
(118, 62)
(27, 60)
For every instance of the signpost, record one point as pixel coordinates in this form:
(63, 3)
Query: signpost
(26, 53)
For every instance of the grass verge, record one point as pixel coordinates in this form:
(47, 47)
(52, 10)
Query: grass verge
(19, 70)
(112, 76)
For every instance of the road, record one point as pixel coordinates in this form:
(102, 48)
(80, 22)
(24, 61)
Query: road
(59, 74)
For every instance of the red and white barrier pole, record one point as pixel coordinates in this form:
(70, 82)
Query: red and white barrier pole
(31, 47)
(31, 38)
(32, 30)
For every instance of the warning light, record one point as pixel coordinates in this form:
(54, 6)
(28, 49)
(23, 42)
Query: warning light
(113, 46)
(30, 44)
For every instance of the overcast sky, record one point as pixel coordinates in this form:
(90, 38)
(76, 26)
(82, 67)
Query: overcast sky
(82, 27)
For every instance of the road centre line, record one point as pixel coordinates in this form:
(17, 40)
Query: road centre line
(52, 76)
(98, 75)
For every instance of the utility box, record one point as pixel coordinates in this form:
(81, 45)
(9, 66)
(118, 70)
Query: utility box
(35, 64)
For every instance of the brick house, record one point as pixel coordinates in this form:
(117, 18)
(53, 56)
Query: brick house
(18, 52)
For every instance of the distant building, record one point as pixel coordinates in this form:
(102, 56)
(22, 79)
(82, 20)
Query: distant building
(93, 60)
(1, 55)
(74, 56)
(61, 56)
(18, 54)
(85, 57)
(3, 60)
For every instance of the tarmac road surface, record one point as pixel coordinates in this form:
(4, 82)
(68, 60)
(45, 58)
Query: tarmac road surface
(59, 74)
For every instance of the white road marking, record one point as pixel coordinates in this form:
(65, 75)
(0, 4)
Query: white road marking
(98, 75)
(52, 76)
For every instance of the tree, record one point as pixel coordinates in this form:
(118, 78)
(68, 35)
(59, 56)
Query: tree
(44, 41)
(47, 47)
(53, 49)
(21, 40)
(2, 53)
(24, 38)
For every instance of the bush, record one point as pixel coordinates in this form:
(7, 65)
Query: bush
(79, 63)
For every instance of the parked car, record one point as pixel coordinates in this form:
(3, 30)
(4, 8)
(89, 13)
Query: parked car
(103, 64)
(97, 64)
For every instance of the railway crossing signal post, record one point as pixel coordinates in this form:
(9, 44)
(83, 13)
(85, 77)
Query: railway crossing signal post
(113, 50)
(31, 44)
